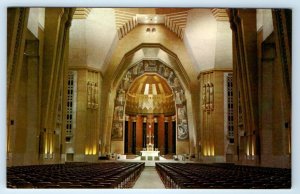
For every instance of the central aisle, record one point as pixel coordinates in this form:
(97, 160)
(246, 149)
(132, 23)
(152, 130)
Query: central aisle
(149, 179)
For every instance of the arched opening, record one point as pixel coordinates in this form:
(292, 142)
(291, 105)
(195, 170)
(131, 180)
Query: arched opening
(150, 114)
(150, 109)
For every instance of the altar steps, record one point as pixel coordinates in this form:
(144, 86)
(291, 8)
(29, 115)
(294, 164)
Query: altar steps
(131, 156)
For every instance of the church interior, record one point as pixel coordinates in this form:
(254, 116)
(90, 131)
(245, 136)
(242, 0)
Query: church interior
(195, 97)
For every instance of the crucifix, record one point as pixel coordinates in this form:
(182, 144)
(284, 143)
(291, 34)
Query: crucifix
(150, 134)
(150, 137)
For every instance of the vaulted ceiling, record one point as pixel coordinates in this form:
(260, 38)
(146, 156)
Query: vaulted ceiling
(199, 39)
(175, 19)
(150, 94)
(150, 84)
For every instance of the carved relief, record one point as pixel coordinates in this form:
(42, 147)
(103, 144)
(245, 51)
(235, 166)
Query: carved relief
(92, 90)
(208, 96)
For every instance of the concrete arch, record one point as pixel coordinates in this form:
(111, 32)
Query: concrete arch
(151, 51)
(148, 52)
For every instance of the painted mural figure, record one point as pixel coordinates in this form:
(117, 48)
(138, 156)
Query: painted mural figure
(161, 69)
(176, 82)
(167, 72)
(182, 131)
(135, 70)
(140, 69)
(119, 112)
(117, 131)
(182, 96)
(121, 97)
(177, 98)
(126, 81)
(181, 114)
(170, 78)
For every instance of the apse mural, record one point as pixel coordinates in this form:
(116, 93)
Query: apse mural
(150, 66)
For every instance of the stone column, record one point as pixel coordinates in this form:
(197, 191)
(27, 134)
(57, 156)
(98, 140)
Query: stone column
(129, 134)
(139, 133)
(243, 25)
(56, 35)
(161, 133)
(17, 28)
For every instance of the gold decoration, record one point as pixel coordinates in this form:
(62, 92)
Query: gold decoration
(150, 94)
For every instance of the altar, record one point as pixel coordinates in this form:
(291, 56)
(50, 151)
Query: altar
(150, 153)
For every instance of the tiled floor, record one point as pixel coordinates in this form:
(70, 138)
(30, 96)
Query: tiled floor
(149, 179)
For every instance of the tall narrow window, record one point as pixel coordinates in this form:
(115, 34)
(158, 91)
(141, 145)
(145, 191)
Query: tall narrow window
(230, 108)
(71, 99)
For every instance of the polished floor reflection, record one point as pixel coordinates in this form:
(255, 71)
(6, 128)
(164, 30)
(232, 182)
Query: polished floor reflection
(149, 179)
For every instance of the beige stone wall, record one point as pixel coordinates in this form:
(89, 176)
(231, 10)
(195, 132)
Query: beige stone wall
(162, 36)
(35, 83)
(77, 48)
(213, 138)
(223, 53)
(275, 134)
(36, 20)
(23, 108)
(264, 22)
(85, 141)
(200, 38)
(208, 41)
(93, 39)
(262, 78)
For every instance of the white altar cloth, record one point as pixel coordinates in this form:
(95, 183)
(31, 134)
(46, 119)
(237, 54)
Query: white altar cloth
(150, 153)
